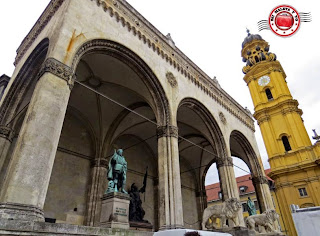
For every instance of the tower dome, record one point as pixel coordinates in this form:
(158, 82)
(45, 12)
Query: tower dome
(250, 38)
(254, 51)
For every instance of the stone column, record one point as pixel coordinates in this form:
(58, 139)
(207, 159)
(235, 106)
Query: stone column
(6, 137)
(170, 197)
(28, 178)
(97, 189)
(228, 183)
(261, 186)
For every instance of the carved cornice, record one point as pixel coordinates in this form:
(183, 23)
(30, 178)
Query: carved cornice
(286, 106)
(167, 131)
(224, 162)
(43, 20)
(53, 66)
(260, 180)
(6, 133)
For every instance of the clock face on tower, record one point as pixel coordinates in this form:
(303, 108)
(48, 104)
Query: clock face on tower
(264, 80)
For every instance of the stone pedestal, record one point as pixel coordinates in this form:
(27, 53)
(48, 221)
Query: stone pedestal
(115, 211)
(141, 226)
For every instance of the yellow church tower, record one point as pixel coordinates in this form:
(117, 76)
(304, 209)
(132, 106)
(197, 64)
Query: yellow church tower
(294, 161)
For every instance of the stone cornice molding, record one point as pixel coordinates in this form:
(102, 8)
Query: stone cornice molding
(6, 133)
(286, 106)
(167, 131)
(42, 22)
(53, 66)
(260, 180)
(224, 162)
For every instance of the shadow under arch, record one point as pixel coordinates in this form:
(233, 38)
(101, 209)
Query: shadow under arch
(131, 59)
(245, 152)
(241, 148)
(211, 139)
(23, 81)
(216, 140)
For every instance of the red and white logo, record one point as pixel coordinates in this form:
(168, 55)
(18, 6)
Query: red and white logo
(284, 20)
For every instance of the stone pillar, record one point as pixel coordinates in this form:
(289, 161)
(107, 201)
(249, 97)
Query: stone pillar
(261, 186)
(6, 137)
(228, 183)
(170, 197)
(26, 185)
(97, 189)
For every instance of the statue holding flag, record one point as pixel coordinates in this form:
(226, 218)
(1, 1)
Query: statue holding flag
(136, 212)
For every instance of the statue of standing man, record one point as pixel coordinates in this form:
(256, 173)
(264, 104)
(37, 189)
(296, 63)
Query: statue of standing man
(117, 172)
(251, 207)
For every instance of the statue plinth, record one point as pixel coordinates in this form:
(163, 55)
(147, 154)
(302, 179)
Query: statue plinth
(115, 210)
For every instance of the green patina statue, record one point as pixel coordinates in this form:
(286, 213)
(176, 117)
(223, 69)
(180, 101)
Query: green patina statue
(251, 207)
(117, 172)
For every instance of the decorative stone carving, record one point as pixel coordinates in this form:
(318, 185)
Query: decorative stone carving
(6, 132)
(171, 79)
(263, 221)
(260, 180)
(222, 118)
(53, 66)
(227, 210)
(224, 162)
(167, 131)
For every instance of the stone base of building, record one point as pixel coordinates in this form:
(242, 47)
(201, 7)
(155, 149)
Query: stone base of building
(142, 226)
(14, 211)
(115, 211)
(236, 231)
(16, 227)
(182, 232)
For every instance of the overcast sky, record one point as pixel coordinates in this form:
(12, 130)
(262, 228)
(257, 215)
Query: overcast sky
(210, 33)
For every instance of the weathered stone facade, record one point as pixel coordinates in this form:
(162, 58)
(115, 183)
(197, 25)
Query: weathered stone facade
(93, 76)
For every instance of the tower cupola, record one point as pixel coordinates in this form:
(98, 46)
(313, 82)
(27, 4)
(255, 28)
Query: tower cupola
(255, 50)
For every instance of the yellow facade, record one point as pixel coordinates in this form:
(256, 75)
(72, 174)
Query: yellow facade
(294, 161)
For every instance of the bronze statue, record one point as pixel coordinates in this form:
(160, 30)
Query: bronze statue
(117, 172)
(251, 207)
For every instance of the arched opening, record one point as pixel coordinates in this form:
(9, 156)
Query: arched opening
(286, 144)
(269, 94)
(200, 145)
(112, 85)
(250, 165)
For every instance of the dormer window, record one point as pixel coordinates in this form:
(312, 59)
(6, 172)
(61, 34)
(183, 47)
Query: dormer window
(243, 189)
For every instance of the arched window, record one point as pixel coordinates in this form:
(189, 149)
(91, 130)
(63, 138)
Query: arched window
(269, 94)
(286, 143)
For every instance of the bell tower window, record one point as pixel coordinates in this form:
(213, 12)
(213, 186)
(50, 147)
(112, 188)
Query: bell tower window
(286, 143)
(269, 94)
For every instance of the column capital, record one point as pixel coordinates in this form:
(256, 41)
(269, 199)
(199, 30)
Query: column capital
(99, 163)
(224, 162)
(259, 180)
(6, 133)
(167, 131)
(59, 69)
